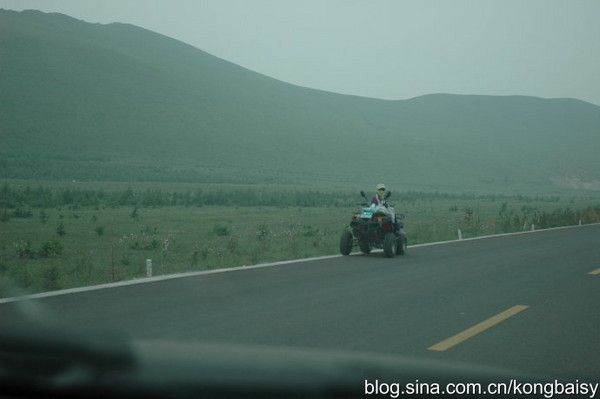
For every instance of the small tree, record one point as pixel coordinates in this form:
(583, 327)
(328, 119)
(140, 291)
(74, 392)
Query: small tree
(135, 214)
(51, 277)
(195, 256)
(60, 230)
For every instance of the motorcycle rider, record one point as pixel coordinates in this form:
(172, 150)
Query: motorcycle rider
(379, 199)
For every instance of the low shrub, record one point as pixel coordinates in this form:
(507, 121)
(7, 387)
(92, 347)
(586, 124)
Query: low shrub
(24, 249)
(44, 216)
(140, 241)
(221, 231)
(50, 249)
(60, 230)
(51, 276)
(22, 213)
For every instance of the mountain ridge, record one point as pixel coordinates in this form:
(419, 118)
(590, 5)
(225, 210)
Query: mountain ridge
(119, 102)
(134, 27)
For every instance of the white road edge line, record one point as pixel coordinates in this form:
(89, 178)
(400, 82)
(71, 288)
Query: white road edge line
(502, 235)
(232, 269)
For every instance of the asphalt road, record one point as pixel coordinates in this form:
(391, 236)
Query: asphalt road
(403, 305)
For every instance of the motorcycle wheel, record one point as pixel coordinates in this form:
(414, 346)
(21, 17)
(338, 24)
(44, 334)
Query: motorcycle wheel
(365, 248)
(401, 245)
(346, 243)
(389, 245)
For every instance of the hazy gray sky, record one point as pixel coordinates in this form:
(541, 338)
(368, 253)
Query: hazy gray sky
(379, 48)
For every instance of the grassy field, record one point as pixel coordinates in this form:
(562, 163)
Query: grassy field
(68, 246)
(101, 245)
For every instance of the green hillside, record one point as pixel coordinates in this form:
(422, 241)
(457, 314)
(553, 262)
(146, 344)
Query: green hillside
(116, 102)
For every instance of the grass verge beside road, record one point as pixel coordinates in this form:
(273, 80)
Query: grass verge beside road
(43, 248)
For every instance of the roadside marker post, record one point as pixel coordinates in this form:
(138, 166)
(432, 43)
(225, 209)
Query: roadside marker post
(148, 267)
(459, 234)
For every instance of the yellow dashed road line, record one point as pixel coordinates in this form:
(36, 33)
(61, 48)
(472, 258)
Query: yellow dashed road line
(476, 329)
